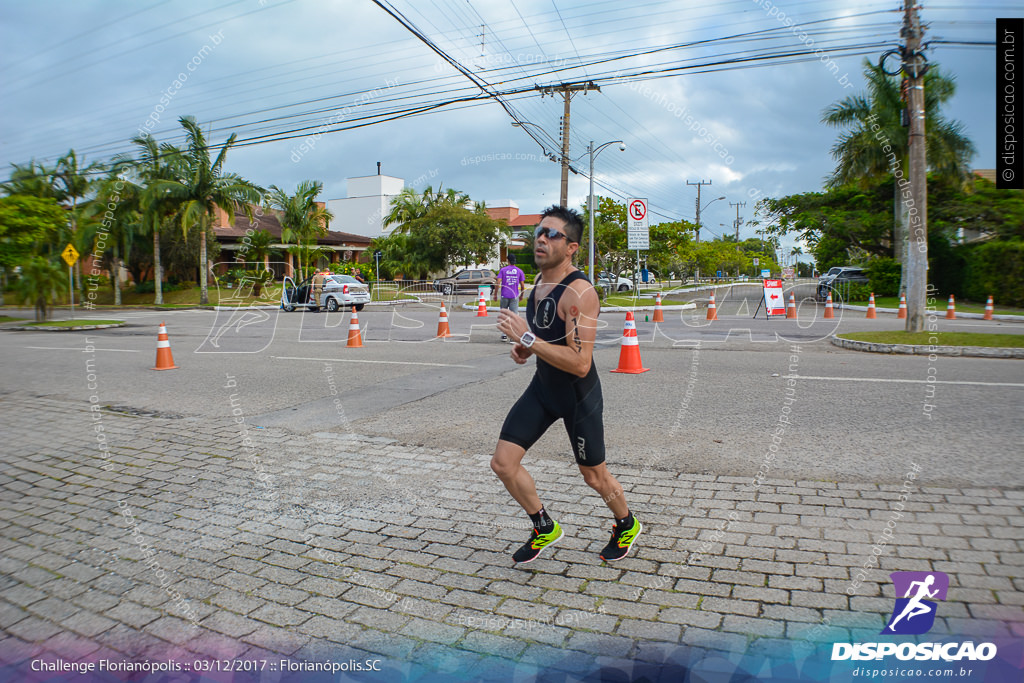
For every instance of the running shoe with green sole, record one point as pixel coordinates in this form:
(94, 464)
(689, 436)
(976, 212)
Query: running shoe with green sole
(537, 543)
(621, 541)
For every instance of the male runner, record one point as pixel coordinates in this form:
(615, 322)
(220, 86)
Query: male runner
(560, 327)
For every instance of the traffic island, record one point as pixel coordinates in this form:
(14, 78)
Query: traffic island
(970, 344)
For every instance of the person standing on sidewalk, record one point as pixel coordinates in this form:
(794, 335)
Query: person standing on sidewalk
(511, 285)
(560, 328)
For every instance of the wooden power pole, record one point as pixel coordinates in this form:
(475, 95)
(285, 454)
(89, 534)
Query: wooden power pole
(567, 90)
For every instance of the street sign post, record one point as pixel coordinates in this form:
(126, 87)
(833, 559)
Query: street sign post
(70, 255)
(637, 230)
(638, 234)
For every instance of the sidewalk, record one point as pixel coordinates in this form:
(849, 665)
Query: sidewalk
(365, 547)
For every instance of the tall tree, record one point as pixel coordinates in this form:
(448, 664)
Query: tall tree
(152, 163)
(73, 182)
(200, 186)
(302, 219)
(874, 143)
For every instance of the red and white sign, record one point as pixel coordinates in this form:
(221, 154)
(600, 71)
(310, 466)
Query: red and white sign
(638, 235)
(774, 300)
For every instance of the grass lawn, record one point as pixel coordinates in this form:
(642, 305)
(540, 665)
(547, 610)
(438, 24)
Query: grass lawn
(939, 304)
(627, 300)
(940, 338)
(74, 323)
(8, 319)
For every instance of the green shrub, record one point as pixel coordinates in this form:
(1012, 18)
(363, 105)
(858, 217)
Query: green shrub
(995, 268)
(884, 275)
(855, 291)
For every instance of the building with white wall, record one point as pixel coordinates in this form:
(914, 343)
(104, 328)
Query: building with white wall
(362, 212)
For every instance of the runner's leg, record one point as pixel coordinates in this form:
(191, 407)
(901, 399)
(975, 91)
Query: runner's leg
(507, 463)
(608, 487)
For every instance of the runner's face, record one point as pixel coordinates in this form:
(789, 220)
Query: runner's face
(549, 252)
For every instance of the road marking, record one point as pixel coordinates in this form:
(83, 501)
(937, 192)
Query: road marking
(908, 381)
(377, 362)
(80, 349)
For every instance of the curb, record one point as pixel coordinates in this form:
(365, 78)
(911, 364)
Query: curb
(969, 316)
(607, 309)
(27, 328)
(928, 350)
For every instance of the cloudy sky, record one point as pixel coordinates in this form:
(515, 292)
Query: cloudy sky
(729, 91)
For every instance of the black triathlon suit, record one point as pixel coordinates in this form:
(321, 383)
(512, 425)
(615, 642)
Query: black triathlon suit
(555, 393)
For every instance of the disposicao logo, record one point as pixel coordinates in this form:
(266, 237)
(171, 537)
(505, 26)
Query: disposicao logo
(914, 614)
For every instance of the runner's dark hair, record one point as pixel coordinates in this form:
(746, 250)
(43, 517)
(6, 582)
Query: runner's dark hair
(572, 218)
(511, 259)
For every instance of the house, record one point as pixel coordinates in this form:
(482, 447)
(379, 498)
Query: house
(231, 234)
(522, 226)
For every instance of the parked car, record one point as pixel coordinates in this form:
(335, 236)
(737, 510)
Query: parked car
(622, 284)
(466, 280)
(840, 275)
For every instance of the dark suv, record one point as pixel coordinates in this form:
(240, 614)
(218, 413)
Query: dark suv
(840, 276)
(466, 281)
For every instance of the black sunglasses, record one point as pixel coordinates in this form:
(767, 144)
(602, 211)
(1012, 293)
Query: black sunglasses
(549, 233)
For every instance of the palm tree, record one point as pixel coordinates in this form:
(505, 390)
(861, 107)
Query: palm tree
(33, 179)
(151, 164)
(122, 222)
(199, 187)
(874, 120)
(73, 182)
(41, 281)
(302, 219)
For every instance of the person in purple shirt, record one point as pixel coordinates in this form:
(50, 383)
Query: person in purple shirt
(511, 281)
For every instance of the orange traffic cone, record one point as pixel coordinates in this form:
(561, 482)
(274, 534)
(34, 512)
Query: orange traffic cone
(871, 308)
(951, 309)
(442, 323)
(829, 313)
(902, 313)
(712, 311)
(481, 306)
(659, 315)
(164, 359)
(629, 355)
(988, 309)
(355, 340)
(791, 308)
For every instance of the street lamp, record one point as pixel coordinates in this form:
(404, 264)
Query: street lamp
(590, 202)
(697, 230)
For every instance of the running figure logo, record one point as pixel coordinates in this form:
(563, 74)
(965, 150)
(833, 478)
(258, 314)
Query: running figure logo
(913, 613)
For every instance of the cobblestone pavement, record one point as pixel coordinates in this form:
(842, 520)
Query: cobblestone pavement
(164, 536)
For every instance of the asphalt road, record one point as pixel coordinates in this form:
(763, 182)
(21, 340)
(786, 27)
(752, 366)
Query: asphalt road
(711, 402)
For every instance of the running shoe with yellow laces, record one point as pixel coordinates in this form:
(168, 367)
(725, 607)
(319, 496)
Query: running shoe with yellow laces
(537, 543)
(621, 541)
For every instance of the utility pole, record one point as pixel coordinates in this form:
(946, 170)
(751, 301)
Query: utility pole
(737, 226)
(698, 184)
(567, 90)
(916, 263)
(737, 205)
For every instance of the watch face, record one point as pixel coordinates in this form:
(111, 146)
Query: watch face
(527, 339)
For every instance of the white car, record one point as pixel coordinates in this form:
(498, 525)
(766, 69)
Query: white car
(344, 291)
(622, 284)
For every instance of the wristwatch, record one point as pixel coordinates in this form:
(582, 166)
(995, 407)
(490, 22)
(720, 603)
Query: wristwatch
(527, 339)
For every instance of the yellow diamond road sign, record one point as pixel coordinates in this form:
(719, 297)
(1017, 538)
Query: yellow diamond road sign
(70, 255)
